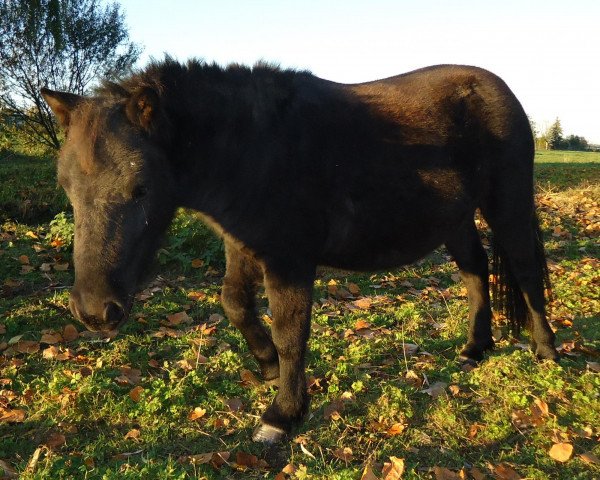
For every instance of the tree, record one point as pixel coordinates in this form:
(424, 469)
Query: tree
(554, 136)
(576, 142)
(60, 44)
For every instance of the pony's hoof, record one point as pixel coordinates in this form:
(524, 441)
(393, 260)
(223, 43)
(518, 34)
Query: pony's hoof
(546, 352)
(268, 434)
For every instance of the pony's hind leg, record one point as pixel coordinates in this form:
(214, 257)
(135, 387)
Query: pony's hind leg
(468, 253)
(521, 263)
(238, 297)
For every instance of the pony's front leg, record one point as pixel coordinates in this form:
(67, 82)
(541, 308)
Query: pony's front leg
(290, 299)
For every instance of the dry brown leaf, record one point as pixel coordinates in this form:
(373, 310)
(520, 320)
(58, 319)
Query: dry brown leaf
(248, 460)
(589, 457)
(395, 429)
(368, 474)
(61, 267)
(503, 472)
(12, 416)
(51, 338)
(249, 379)
(197, 413)
(561, 452)
(136, 393)
(363, 303)
(333, 410)
(477, 474)
(24, 260)
(197, 263)
(130, 375)
(235, 404)
(454, 389)
(7, 471)
(70, 333)
(27, 346)
(442, 473)
(354, 289)
(394, 469)
(177, 318)
(133, 434)
(55, 440)
(344, 454)
(196, 295)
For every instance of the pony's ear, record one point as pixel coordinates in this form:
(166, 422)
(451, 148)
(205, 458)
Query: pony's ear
(143, 108)
(61, 104)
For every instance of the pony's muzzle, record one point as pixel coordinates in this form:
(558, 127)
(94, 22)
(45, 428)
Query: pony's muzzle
(97, 316)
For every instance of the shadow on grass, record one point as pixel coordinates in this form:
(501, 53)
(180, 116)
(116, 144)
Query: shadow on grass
(29, 190)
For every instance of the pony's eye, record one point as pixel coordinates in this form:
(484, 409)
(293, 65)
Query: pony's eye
(139, 192)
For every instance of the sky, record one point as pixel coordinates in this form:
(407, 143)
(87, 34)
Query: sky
(546, 51)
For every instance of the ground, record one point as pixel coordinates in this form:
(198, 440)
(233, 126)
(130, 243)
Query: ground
(176, 394)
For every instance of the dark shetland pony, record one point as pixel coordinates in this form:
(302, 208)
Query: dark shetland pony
(295, 172)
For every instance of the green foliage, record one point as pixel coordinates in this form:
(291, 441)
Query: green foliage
(59, 44)
(554, 135)
(62, 230)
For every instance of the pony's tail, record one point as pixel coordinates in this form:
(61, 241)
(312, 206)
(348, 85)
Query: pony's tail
(507, 297)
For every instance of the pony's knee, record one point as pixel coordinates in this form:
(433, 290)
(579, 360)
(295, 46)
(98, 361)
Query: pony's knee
(236, 302)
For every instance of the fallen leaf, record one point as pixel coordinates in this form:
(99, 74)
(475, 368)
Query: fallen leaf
(593, 366)
(589, 457)
(24, 259)
(442, 473)
(136, 393)
(27, 346)
(561, 452)
(249, 379)
(368, 474)
(454, 389)
(477, 474)
(333, 410)
(395, 429)
(133, 434)
(363, 303)
(55, 440)
(177, 318)
(46, 267)
(354, 289)
(34, 459)
(235, 404)
(503, 472)
(51, 338)
(7, 471)
(129, 375)
(197, 263)
(394, 469)
(61, 267)
(436, 389)
(306, 452)
(344, 454)
(197, 413)
(70, 333)
(248, 460)
(12, 416)
(196, 295)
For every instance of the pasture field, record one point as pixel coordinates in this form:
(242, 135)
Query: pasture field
(176, 395)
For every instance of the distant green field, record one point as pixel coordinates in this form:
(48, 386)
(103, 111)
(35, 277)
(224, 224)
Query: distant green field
(563, 156)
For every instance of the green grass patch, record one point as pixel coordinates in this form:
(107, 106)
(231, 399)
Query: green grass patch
(91, 408)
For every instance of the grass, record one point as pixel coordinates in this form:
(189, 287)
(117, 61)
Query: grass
(120, 408)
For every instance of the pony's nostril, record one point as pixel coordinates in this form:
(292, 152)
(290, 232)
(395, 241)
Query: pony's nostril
(113, 313)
